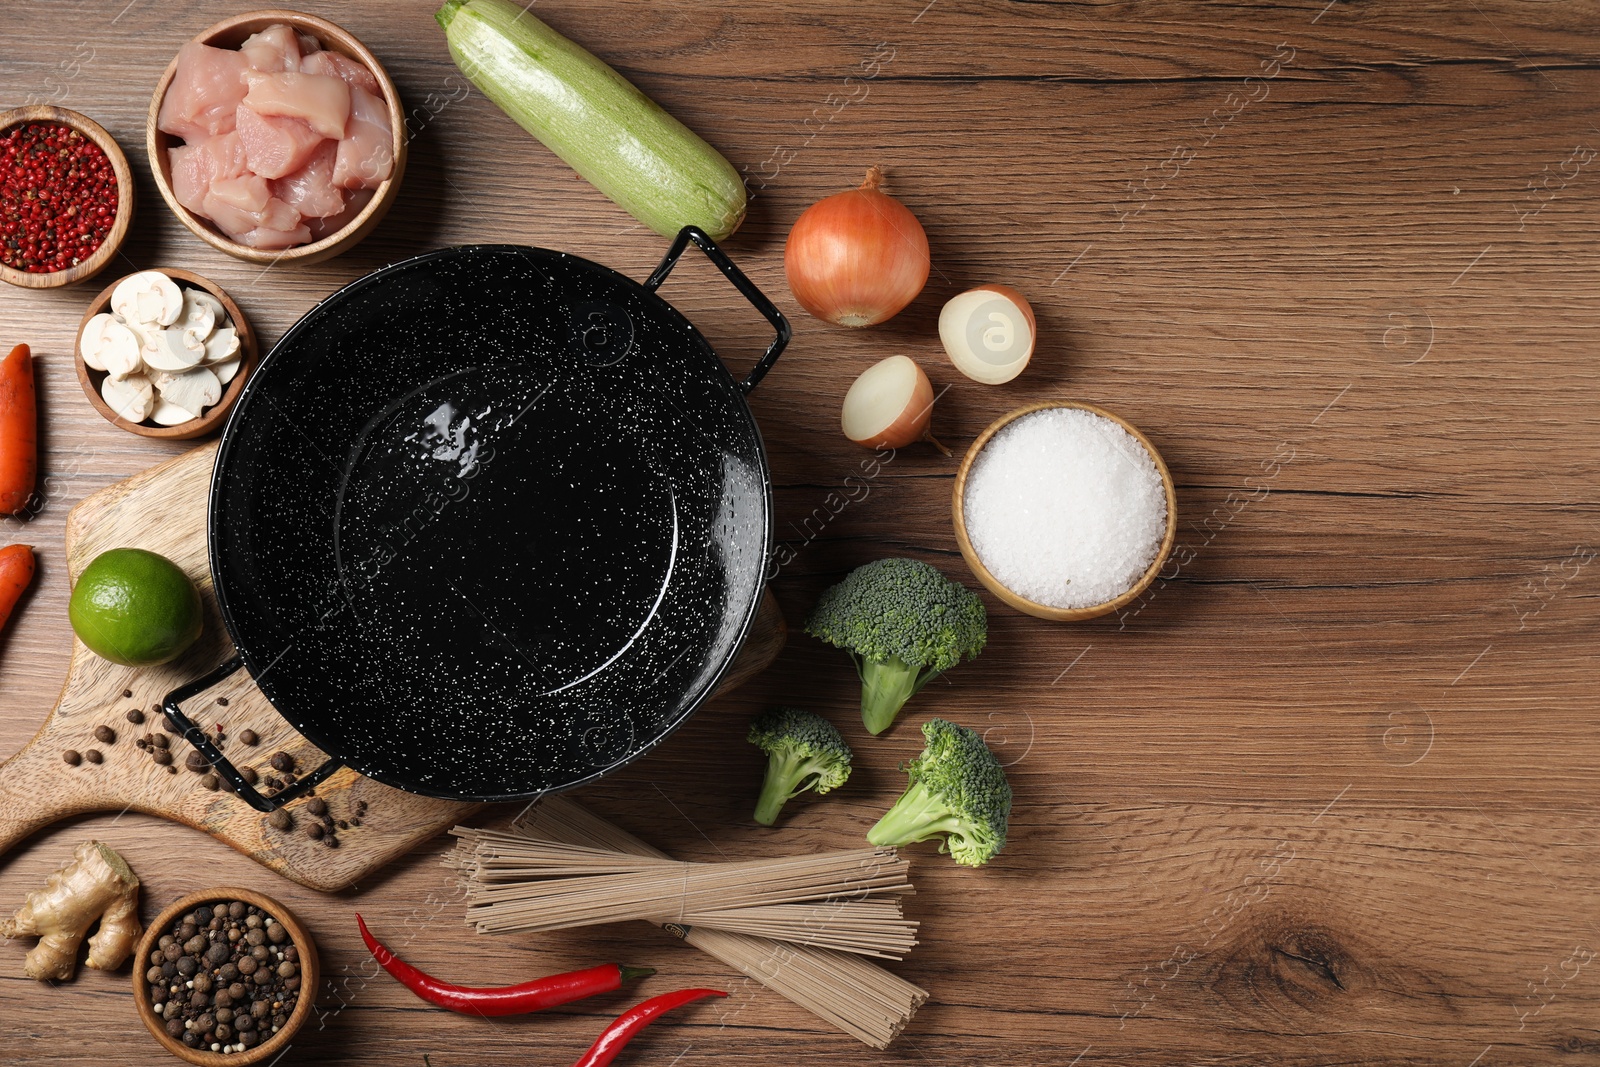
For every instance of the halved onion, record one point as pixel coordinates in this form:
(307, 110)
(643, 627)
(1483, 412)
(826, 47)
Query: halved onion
(890, 406)
(988, 333)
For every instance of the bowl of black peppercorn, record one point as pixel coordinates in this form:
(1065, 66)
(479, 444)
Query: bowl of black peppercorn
(224, 977)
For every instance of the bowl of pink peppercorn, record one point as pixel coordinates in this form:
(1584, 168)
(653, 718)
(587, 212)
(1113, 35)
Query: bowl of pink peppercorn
(66, 197)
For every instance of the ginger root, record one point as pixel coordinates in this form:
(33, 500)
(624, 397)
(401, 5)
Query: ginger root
(97, 884)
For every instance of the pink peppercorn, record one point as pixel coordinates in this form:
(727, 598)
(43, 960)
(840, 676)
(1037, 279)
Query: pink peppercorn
(58, 197)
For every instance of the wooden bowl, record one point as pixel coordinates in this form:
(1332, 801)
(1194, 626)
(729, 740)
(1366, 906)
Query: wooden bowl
(1022, 603)
(310, 978)
(125, 196)
(230, 33)
(91, 379)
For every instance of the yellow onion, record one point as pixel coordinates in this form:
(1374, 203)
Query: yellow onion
(858, 257)
(890, 406)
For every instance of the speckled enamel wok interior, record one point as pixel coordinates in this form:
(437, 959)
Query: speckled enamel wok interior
(490, 522)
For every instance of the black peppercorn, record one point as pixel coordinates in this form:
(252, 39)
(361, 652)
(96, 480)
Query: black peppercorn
(282, 761)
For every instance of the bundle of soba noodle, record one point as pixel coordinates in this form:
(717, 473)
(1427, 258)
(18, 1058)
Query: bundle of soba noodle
(799, 926)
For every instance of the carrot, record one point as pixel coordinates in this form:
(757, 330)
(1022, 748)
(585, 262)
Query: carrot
(19, 431)
(16, 572)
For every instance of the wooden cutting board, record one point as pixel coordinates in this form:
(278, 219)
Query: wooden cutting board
(163, 510)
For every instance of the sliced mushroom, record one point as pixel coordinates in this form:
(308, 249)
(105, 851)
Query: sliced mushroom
(167, 413)
(193, 390)
(201, 313)
(119, 351)
(145, 335)
(148, 297)
(223, 344)
(173, 350)
(226, 369)
(132, 398)
(90, 339)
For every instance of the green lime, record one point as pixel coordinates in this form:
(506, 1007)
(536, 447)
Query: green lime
(135, 608)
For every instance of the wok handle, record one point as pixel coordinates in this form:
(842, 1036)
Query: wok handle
(197, 736)
(746, 287)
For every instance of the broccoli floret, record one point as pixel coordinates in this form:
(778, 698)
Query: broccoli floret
(904, 624)
(804, 751)
(957, 790)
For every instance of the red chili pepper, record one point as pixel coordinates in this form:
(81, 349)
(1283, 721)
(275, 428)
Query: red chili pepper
(636, 1018)
(520, 999)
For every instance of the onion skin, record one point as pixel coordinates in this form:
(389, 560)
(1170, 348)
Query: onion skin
(858, 257)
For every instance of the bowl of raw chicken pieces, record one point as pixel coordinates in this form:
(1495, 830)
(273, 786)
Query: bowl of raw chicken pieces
(277, 136)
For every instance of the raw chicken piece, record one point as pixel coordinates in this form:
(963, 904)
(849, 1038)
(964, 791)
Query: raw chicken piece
(273, 50)
(356, 203)
(273, 146)
(310, 190)
(308, 44)
(322, 101)
(366, 154)
(266, 237)
(206, 87)
(195, 166)
(343, 67)
(239, 205)
(257, 228)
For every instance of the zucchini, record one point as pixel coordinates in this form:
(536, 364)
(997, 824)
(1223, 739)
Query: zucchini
(596, 120)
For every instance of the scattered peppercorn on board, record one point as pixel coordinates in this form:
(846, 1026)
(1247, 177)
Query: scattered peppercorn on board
(91, 755)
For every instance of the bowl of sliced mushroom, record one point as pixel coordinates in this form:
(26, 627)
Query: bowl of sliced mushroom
(164, 353)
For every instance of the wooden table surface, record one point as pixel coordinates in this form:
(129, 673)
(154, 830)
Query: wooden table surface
(1326, 795)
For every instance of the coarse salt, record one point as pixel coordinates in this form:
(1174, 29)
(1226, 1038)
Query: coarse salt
(1065, 508)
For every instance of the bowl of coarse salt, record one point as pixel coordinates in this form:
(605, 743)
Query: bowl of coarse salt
(1064, 510)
